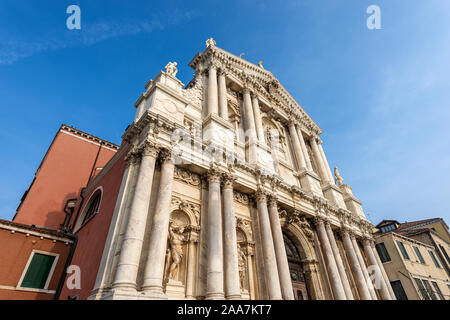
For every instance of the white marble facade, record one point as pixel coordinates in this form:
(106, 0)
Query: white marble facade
(219, 174)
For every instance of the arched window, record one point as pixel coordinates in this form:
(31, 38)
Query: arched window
(93, 205)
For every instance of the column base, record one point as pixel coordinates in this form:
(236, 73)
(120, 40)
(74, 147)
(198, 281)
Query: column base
(233, 297)
(214, 296)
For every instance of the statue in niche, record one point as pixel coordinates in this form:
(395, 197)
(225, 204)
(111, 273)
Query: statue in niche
(242, 266)
(338, 176)
(176, 241)
(171, 68)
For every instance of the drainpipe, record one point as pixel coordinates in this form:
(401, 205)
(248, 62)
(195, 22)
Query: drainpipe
(62, 279)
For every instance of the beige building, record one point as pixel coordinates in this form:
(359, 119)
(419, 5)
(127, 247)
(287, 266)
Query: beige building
(415, 258)
(227, 194)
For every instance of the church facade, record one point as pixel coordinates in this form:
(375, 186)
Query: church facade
(221, 190)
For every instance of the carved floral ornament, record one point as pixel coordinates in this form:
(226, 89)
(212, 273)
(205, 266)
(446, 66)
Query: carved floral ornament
(240, 197)
(187, 176)
(297, 218)
(246, 227)
(190, 208)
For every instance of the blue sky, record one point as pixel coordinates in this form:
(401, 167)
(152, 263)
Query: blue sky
(382, 97)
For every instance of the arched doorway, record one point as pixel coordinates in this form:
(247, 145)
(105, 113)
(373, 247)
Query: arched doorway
(296, 269)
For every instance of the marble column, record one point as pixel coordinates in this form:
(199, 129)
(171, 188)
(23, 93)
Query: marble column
(223, 107)
(258, 120)
(385, 295)
(325, 161)
(301, 164)
(230, 254)
(249, 116)
(214, 268)
(359, 276)
(383, 272)
(333, 273)
(192, 254)
(159, 231)
(339, 263)
(128, 264)
(280, 251)
(304, 148)
(364, 268)
(213, 106)
(270, 263)
(321, 167)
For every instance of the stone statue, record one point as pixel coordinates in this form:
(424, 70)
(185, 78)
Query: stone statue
(171, 68)
(210, 42)
(260, 65)
(242, 266)
(337, 176)
(176, 240)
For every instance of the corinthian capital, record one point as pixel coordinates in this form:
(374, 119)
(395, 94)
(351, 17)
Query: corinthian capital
(260, 196)
(273, 201)
(165, 155)
(214, 175)
(228, 180)
(149, 148)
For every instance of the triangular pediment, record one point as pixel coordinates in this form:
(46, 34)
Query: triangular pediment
(264, 80)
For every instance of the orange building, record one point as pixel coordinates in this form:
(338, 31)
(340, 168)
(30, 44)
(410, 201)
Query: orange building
(32, 261)
(73, 158)
(38, 245)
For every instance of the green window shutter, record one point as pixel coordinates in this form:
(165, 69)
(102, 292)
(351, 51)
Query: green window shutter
(433, 257)
(403, 250)
(419, 255)
(422, 290)
(38, 271)
(382, 252)
(438, 290)
(429, 290)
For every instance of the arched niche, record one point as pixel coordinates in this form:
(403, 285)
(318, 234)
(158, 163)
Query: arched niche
(274, 131)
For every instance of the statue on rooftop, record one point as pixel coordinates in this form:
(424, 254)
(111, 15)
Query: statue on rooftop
(171, 68)
(210, 42)
(338, 176)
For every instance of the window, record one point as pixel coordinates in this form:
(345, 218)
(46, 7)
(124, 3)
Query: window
(382, 252)
(433, 257)
(429, 290)
(445, 253)
(419, 255)
(388, 228)
(423, 292)
(39, 270)
(438, 290)
(94, 204)
(402, 248)
(399, 292)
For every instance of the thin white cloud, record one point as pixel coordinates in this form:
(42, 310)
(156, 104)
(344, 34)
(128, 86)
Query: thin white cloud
(13, 50)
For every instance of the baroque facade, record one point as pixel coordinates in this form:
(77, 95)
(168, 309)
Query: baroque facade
(226, 193)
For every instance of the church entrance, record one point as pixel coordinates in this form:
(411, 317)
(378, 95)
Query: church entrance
(296, 269)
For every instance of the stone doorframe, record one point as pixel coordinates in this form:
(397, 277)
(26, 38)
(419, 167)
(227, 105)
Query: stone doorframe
(309, 259)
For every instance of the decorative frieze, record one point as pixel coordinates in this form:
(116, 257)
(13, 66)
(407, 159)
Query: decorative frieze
(240, 197)
(187, 176)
